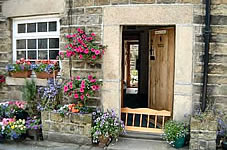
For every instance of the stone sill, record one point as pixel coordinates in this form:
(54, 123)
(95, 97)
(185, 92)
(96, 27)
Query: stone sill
(21, 81)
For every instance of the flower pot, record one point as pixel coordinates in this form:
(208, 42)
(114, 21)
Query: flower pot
(104, 141)
(224, 145)
(34, 134)
(45, 75)
(21, 74)
(179, 142)
(2, 138)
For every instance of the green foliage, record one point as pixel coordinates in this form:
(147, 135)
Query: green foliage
(29, 92)
(174, 130)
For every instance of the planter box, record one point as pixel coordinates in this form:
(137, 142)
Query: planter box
(20, 74)
(203, 134)
(72, 128)
(45, 75)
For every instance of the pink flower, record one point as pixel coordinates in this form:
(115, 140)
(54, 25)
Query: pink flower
(76, 95)
(90, 77)
(93, 87)
(82, 97)
(77, 50)
(93, 34)
(6, 121)
(87, 94)
(97, 52)
(78, 77)
(80, 56)
(97, 87)
(89, 38)
(93, 57)
(82, 86)
(70, 86)
(93, 50)
(66, 88)
(86, 51)
(82, 82)
(93, 80)
(20, 104)
(81, 90)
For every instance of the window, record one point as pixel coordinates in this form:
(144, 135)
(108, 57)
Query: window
(36, 38)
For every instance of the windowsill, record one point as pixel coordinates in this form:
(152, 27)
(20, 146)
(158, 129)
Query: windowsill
(21, 81)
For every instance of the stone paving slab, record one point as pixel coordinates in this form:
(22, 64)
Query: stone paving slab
(45, 145)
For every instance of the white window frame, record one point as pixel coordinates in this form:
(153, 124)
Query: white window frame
(34, 35)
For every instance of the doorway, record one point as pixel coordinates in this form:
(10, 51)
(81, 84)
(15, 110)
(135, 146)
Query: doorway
(147, 76)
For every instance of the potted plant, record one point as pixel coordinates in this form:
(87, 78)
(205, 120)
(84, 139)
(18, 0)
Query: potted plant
(80, 89)
(46, 69)
(222, 133)
(22, 69)
(83, 46)
(174, 133)
(34, 127)
(106, 126)
(15, 130)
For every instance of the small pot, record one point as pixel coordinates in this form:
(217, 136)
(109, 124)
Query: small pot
(104, 141)
(34, 134)
(179, 143)
(224, 145)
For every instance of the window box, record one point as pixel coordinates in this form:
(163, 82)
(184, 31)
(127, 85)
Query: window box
(46, 75)
(21, 74)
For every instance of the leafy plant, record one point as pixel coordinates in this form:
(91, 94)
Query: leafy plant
(50, 95)
(83, 46)
(21, 65)
(29, 92)
(82, 88)
(174, 130)
(45, 66)
(107, 124)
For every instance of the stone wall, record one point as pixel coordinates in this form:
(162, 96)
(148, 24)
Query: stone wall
(72, 128)
(203, 134)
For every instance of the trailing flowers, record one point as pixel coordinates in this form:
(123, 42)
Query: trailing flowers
(82, 88)
(83, 46)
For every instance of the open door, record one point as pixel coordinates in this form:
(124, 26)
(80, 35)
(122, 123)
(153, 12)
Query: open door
(161, 69)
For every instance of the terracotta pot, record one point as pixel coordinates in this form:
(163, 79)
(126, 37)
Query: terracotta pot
(45, 75)
(34, 134)
(21, 74)
(103, 141)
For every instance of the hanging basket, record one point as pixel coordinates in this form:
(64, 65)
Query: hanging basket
(45, 75)
(21, 74)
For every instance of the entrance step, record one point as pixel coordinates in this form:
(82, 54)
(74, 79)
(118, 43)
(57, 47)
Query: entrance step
(141, 142)
(144, 135)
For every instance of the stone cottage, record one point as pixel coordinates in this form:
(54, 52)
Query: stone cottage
(155, 53)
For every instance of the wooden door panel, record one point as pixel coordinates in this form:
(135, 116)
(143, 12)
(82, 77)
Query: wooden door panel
(162, 69)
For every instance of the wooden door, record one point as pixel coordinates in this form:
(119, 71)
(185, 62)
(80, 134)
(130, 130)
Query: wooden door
(161, 69)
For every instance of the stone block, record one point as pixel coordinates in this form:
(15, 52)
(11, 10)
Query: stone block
(78, 64)
(78, 11)
(56, 117)
(166, 1)
(93, 10)
(45, 125)
(143, 1)
(45, 115)
(118, 2)
(191, 1)
(89, 20)
(83, 3)
(101, 2)
(55, 127)
(219, 20)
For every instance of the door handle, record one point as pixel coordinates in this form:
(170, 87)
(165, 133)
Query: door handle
(152, 56)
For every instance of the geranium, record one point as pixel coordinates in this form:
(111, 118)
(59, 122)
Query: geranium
(45, 66)
(6, 121)
(82, 88)
(83, 46)
(21, 65)
(107, 124)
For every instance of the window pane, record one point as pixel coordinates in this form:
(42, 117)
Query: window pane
(21, 44)
(53, 26)
(31, 27)
(21, 28)
(32, 44)
(21, 54)
(42, 27)
(54, 43)
(53, 54)
(42, 43)
(31, 54)
(43, 54)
